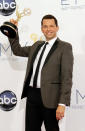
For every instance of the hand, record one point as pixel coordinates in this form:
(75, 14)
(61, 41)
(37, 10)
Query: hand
(14, 22)
(60, 111)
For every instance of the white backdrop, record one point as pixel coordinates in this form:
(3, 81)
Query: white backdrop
(71, 19)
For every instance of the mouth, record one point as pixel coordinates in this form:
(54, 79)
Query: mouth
(49, 33)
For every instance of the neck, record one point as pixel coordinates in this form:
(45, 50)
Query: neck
(51, 38)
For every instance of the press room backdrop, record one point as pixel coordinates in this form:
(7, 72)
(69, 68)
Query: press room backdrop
(71, 19)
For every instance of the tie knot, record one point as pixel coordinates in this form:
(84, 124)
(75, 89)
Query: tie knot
(46, 43)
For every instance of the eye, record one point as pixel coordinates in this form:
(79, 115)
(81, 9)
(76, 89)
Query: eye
(52, 26)
(44, 26)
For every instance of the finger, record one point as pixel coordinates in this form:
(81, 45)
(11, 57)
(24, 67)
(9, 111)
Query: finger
(14, 22)
(11, 20)
(60, 113)
(59, 116)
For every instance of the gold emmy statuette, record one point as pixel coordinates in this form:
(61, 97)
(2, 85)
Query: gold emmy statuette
(8, 28)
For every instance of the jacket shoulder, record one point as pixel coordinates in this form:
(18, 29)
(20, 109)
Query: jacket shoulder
(37, 43)
(64, 44)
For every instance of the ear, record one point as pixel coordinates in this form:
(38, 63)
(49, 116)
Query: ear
(41, 29)
(57, 28)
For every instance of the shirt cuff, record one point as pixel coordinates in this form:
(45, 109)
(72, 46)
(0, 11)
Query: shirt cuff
(61, 104)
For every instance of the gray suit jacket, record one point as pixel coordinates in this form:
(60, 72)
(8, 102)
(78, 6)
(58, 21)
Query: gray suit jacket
(56, 75)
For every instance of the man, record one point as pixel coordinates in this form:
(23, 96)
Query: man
(48, 80)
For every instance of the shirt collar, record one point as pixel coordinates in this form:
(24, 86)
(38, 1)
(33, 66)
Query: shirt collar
(51, 42)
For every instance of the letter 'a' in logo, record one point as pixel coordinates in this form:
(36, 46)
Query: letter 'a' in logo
(7, 7)
(8, 100)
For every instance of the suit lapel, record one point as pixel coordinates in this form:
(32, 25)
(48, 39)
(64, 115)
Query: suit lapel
(35, 53)
(51, 51)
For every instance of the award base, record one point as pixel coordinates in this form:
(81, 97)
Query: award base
(9, 29)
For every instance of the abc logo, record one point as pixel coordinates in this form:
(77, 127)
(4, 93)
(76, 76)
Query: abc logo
(7, 7)
(8, 100)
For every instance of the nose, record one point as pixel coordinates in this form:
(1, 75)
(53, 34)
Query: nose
(48, 28)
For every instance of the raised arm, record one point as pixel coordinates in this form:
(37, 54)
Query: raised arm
(16, 47)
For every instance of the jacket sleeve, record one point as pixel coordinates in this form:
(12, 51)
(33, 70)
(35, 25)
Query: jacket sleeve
(17, 49)
(66, 75)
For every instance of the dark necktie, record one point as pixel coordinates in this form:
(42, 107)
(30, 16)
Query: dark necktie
(38, 65)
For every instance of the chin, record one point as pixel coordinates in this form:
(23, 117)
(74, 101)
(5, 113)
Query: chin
(49, 38)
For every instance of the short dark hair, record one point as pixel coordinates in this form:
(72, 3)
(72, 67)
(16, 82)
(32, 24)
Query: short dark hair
(49, 17)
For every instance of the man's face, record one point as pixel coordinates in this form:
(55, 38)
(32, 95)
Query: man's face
(49, 29)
